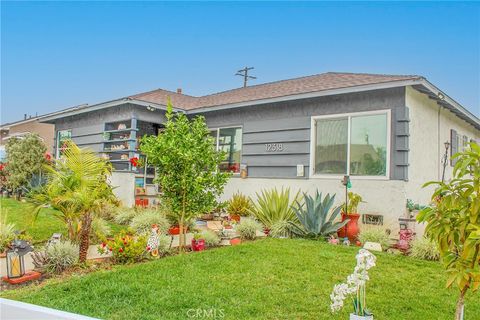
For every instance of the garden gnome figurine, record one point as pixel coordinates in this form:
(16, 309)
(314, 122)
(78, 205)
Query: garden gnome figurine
(153, 241)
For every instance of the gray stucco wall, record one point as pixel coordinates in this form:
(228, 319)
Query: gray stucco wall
(289, 123)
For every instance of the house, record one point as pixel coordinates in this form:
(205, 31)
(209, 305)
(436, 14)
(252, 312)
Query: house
(18, 129)
(387, 132)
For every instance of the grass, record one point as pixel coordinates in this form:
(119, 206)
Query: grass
(265, 279)
(41, 228)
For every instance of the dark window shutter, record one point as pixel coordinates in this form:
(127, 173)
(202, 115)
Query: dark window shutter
(453, 146)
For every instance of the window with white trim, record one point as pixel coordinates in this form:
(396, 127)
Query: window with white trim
(230, 141)
(356, 145)
(62, 137)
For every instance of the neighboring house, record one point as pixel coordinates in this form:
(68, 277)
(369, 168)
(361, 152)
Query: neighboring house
(18, 129)
(386, 131)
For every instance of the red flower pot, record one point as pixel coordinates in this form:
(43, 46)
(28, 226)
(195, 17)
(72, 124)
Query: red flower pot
(198, 245)
(266, 231)
(351, 229)
(235, 217)
(174, 230)
(235, 241)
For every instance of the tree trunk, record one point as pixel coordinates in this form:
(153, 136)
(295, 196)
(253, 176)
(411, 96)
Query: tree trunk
(181, 237)
(460, 305)
(85, 237)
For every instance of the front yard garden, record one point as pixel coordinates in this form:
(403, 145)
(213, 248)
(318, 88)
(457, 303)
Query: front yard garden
(265, 279)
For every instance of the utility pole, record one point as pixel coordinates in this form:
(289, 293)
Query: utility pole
(244, 73)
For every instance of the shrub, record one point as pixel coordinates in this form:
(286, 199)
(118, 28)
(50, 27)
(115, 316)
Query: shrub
(60, 256)
(423, 248)
(7, 233)
(239, 204)
(142, 223)
(125, 248)
(274, 208)
(100, 230)
(248, 228)
(374, 234)
(315, 217)
(281, 229)
(164, 242)
(210, 237)
(125, 215)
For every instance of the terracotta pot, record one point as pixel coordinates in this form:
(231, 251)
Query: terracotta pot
(198, 245)
(174, 230)
(235, 241)
(235, 217)
(351, 229)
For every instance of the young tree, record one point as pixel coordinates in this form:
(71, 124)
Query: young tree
(77, 187)
(453, 222)
(187, 167)
(25, 158)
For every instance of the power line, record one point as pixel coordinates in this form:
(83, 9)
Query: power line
(244, 73)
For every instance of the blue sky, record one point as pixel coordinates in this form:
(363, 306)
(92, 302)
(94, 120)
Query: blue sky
(59, 54)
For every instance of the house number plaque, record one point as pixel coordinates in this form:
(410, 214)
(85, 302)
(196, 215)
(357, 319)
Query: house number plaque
(274, 147)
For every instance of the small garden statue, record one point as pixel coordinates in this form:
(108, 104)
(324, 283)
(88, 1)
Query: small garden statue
(355, 285)
(153, 241)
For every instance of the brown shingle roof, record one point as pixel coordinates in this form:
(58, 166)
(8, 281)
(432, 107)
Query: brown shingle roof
(315, 83)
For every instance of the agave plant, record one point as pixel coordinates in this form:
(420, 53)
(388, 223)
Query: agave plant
(274, 208)
(314, 217)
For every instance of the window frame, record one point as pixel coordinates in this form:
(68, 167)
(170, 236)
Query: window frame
(313, 135)
(217, 129)
(57, 140)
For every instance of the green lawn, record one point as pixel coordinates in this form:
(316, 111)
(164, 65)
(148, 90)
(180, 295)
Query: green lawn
(42, 228)
(266, 279)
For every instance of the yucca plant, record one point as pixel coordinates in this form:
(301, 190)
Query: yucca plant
(239, 204)
(314, 217)
(274, 207)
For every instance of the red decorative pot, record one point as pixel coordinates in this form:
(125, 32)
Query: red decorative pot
(351, 229)
(235, 241)
(266, 231)
(174, 230)
(198, 245)
(235, 217)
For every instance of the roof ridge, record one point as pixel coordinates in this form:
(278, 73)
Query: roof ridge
(376, 74)
(159, 89)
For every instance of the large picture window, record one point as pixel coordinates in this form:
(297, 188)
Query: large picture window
(230, 141)
(62, 137)
(355, 145)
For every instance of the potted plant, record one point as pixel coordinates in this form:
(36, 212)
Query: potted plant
(239, 206)
(198, 244)
(355, 285)
(350, 212)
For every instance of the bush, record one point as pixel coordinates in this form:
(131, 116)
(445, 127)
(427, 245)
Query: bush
(281, 229)
(274, 208)
(7, 233)
(210, 237)
(164, 242)
(60, 256)
(423, 248)
(125, 248)
(100, 230)
(142, 223)
(374, 234)
(125, 215)
(240, 205)
(248, 228)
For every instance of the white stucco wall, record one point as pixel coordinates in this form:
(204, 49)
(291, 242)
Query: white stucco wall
(384, 197)
(124, 187)
(430, 127)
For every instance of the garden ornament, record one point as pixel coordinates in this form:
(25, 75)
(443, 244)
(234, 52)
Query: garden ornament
(153, 241)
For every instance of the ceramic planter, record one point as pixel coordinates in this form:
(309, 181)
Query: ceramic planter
(198, 245)
(174, 230)
(357, 317)
(351, 229)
